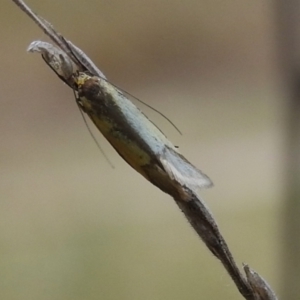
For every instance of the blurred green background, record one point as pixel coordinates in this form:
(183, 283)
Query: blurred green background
(73, 228)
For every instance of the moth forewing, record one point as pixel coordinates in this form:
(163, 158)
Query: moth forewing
(135, 137)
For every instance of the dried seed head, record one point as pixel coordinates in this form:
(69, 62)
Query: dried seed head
(58, 60)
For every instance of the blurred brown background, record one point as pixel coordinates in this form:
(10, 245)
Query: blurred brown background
(73, 228)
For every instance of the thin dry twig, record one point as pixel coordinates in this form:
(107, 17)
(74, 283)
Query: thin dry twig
(72, 66)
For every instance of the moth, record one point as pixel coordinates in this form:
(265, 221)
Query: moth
(142, 145)
(135, 138)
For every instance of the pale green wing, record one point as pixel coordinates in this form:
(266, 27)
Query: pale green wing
(182, 171)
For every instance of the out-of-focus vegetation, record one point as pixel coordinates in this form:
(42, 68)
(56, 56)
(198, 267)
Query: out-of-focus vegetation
(73, 228)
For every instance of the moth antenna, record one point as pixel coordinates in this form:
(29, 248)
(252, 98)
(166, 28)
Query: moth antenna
(147, 105)
(91, 133)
